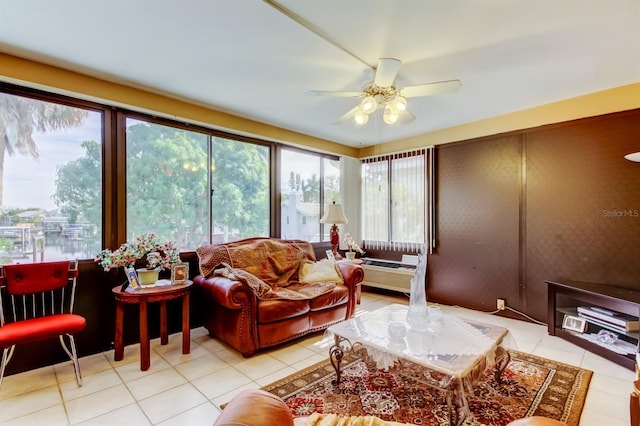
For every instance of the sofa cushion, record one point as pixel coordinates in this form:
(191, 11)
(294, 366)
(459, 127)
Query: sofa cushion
(330, 419)
(277, 310)
(318, 272)
(338, 296)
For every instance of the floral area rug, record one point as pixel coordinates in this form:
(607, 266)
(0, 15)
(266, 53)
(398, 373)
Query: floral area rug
(531, 386)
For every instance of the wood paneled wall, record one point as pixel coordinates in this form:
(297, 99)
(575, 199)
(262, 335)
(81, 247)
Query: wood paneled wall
(557, 202)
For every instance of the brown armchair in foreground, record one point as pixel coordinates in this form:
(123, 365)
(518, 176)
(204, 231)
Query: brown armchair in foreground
(254, 407)
(261, 292)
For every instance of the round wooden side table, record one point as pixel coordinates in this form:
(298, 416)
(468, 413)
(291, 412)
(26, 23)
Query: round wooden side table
(142, 297)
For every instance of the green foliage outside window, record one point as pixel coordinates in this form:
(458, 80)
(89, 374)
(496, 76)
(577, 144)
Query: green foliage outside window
(240, 190)
(167, 186)
(78, 192)
(166, 183)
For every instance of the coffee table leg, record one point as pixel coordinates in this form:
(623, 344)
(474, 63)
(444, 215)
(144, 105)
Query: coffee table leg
(457, 405)
(501, 364)
(451, 410)
(335, 356)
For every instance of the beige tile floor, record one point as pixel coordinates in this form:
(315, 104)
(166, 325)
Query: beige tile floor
(188, 389)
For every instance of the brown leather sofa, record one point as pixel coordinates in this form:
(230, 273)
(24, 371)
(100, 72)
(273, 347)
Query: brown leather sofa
(240, 310)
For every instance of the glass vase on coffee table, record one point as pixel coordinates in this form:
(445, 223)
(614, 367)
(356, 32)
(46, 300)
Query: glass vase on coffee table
(418, 313)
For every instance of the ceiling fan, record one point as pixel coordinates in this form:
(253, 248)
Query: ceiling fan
(382, 93)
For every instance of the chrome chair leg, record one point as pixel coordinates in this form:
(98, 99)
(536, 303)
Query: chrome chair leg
(7, 353)
(71, 352)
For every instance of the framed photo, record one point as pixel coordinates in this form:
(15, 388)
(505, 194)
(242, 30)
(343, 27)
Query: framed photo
(330, 255)
(132, 277)
(179, 273)
(574, 323)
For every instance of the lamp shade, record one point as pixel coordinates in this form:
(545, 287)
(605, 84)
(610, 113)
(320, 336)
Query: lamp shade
(334, 214)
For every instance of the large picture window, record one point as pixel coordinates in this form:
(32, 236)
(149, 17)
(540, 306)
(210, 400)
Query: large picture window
(395, 195)
(77, 177)
(241, 194)
(167, 183)
(168, 175)
(307, 183)
(50, 181)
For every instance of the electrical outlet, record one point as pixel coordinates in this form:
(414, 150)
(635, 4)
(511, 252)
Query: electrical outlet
(501, 304)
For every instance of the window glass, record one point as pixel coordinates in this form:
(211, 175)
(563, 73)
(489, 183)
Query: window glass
(408, 195)
(331, 170)
(300, 186)
(375, 203)
(50, 181)
(167, 183)
(240, 190)
(168, 174)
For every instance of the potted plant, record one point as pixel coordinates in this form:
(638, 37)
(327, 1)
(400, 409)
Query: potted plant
(146, 249)
(352, 247)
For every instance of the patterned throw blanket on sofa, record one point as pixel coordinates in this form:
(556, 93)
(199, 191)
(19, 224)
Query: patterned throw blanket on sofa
(269, 266)
(262, 290)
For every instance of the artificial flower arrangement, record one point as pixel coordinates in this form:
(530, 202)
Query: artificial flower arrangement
(351, 244)
(158, 255)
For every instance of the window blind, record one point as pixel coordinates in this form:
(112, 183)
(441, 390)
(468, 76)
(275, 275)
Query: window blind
(396, 200)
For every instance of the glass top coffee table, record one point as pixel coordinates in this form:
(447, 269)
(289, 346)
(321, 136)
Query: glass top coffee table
(449, 356)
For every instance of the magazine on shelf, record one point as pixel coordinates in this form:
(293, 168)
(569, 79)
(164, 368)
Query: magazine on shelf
(621, 322)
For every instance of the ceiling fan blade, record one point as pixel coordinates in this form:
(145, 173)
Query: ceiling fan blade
(335, 94)
(406, 117)
(346, 117)
(428, 89)
(386, 72)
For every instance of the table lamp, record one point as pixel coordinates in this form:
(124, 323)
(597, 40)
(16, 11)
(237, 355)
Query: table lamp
(334, 214)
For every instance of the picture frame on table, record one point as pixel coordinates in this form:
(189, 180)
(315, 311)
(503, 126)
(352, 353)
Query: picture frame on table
(576, 324)
(132, 278)
(179, 273)
(330, 255)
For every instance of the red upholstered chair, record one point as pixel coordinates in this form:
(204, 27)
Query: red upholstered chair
(36, 303)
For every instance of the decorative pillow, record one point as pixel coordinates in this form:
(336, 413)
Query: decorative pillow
(322, 271)
(317, 419)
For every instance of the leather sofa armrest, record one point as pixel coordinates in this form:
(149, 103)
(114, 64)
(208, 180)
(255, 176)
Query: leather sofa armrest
(352, 273)
(223, 290)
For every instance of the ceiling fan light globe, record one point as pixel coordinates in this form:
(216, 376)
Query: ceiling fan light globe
(360, 117)
(368, 105)
(399, 103)
(390, 116)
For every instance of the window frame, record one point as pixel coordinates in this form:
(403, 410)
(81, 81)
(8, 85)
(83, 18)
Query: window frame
(429, 198)
(108, 151)
(113, 150)
(278, 191)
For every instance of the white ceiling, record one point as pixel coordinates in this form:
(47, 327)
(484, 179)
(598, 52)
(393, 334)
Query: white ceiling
(249, 59)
